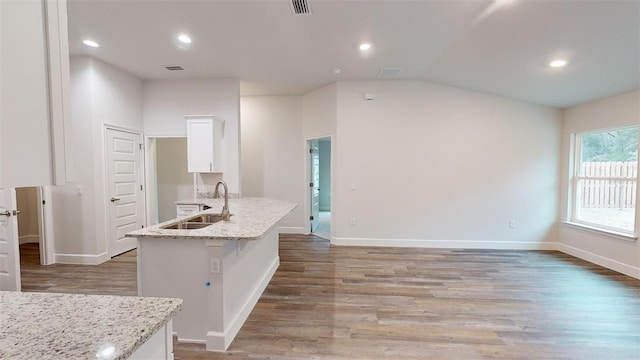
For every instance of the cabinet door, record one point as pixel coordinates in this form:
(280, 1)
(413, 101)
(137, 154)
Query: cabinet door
(200, 145)
(205, 145)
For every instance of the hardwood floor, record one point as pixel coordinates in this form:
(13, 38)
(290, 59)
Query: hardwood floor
(115, 277)
(328, 302)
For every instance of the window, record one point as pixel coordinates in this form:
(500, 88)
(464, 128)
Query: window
(605, 179)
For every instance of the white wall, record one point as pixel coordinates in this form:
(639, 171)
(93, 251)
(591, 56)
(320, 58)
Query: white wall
(100, 94)
(439, 166)
(611, 252)
(167, 101)
(319, 112)
(173, 181)
(25, 144)
(273, 152)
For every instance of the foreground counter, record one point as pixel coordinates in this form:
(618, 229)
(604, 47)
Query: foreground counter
(70, 326)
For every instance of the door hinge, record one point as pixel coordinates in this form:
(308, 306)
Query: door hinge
(142, 226)
(311, 151)
(140, 146)
(310, 184)
(311, 217)
(140, 187)
(44, 202)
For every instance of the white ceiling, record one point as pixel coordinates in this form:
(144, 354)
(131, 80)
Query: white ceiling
(460, 43)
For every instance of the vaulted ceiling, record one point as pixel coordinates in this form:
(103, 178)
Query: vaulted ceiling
(496, 47)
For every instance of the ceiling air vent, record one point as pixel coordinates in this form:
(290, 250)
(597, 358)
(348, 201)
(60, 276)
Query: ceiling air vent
(300, 7)
(173, 67)
(388, 73)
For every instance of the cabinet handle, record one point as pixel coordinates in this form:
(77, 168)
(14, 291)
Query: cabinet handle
(114, 199)
(6, 213)
(210, 166)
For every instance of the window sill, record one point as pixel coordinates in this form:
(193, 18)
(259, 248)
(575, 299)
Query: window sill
(610, 233)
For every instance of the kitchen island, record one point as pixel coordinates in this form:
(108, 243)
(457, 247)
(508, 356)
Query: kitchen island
(70, 326)
(220, 270)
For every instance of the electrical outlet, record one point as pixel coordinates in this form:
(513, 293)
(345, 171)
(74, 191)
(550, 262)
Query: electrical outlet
(215, 265)
(353, 187)
(353, 221)
(79, 190)
(512, 224)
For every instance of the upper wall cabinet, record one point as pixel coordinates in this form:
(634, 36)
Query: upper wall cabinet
(34, 94)
(205, 144)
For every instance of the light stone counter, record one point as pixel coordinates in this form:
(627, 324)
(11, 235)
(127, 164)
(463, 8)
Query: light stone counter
(70, 326)
(220, 270)
(252, 218)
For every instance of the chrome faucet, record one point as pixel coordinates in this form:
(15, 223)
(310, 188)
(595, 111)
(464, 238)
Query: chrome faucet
(225, 209)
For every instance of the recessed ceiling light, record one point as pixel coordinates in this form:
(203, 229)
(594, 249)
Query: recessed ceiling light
(336, 71)
(502, 2)
(185, 39)
(558, 63)
(365, 46)
(91, 43)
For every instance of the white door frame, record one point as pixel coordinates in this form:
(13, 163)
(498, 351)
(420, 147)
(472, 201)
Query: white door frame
(307, 178)
(45, 225)
(107, 223)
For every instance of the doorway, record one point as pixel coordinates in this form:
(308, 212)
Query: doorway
(34, 223)
(168, 180)
(319, 165)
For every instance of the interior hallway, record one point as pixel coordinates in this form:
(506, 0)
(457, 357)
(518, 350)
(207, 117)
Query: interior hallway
(324, 226)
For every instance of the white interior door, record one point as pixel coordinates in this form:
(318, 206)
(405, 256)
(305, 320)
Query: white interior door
(315, 188)
(125, 195)
(9, 251)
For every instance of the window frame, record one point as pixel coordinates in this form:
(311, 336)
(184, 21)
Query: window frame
(576, 177)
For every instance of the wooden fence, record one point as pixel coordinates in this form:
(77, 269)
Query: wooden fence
(608, 193)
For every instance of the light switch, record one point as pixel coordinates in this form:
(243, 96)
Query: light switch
(79, 190)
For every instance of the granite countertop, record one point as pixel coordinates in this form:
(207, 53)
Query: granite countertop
(251, 218)
(71, 326)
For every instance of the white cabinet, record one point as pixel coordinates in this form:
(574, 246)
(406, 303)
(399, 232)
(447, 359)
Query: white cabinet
(205, 148)
(34, 94)
(158, 347)
(186, 210)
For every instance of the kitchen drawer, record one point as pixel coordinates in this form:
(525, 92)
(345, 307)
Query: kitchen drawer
(186, 210)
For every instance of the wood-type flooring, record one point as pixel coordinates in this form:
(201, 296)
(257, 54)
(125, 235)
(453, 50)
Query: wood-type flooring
(332, 302)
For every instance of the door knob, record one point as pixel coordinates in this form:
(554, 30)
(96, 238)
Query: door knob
(114, 199)
(5, 213)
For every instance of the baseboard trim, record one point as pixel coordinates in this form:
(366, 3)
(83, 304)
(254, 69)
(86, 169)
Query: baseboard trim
(189, 341)
(81, 259)
(600, 260)
(291, 230)
(220, 341)
(446, 244)
(26, 239)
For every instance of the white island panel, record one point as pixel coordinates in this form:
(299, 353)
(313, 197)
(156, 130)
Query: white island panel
(247, 268)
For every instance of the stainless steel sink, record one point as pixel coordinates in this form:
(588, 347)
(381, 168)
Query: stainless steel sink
(207, 218)
(184, 225)
(196, 222)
